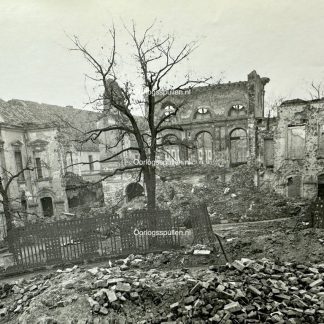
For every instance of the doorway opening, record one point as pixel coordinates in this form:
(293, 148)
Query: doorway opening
(47, 206)
(320, 186)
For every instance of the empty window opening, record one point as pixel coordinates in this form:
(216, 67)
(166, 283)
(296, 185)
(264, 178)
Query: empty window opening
(91, 164)
(19, 165)
(237, 110)
(294, 186)
(296, 142)
(238, 147)
(47, 206)
(39, 170)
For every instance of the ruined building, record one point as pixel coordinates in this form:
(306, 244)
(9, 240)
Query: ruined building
(219, 122)
(298, 149)
(225, 125)
(41, 136)
(228, 126)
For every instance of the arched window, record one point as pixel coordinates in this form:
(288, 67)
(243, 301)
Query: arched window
(320, 181)
(171, 148)
(204, 144)
(169, 109)
(202, 113)
(238, 147)
(47, 206)
(237, 110)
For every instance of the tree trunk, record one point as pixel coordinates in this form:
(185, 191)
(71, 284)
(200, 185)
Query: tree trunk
(7, 213)
(150, 184)
(6, 206)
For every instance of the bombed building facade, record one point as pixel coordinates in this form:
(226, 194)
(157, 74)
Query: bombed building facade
(219, 125)
(219, 122)
(298, 149)
(36, 136)
(223, 125)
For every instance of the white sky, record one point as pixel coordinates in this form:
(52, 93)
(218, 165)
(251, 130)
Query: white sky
(282, 40)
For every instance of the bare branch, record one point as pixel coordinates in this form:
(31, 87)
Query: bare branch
(17, 175)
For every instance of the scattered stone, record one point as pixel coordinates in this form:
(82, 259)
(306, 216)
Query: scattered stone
(3, 311)
(232, 307)
(111, 295)
(93, 271)
(103, 310)
(316, 283)
(254, 290)
(201, 252)
(114, 281)
(189, 300)
(238, 265)
(33, 287)
(134, 295)
(123, 287)
(174, 306)
(245, 291)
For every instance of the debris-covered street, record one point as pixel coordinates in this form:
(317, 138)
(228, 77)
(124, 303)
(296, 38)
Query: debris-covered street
(161, 162)
(283, 284)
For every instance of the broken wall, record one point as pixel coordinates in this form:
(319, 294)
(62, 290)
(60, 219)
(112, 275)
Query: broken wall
(297, 156)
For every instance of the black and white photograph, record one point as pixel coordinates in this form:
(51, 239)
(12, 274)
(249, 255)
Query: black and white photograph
(161, 162)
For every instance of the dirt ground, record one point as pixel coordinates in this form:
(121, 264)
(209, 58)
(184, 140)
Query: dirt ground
(287, 239)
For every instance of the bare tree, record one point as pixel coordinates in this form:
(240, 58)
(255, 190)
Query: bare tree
(156, 59)
(316, 90)
(272, 105)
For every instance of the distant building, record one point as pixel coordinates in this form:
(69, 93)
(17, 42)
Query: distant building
(44, 135)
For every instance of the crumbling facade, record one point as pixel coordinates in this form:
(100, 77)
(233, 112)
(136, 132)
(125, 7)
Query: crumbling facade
(225, 125)
(39, 136)
(298, 149)
(219, 122)
(222, 125)
(219, 127)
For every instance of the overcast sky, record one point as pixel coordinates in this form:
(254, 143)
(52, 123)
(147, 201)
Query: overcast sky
(282, 40)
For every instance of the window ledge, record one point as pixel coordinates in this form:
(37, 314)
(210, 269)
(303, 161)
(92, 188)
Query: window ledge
(44, 179)
(237, 164)
(295, 159)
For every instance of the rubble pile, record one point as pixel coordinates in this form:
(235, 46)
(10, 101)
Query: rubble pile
(244, 291)
(237, 200)
(276, 242)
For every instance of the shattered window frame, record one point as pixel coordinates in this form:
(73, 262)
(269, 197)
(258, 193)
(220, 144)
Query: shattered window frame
(269, 157)
(296, 143)
(19, 165)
